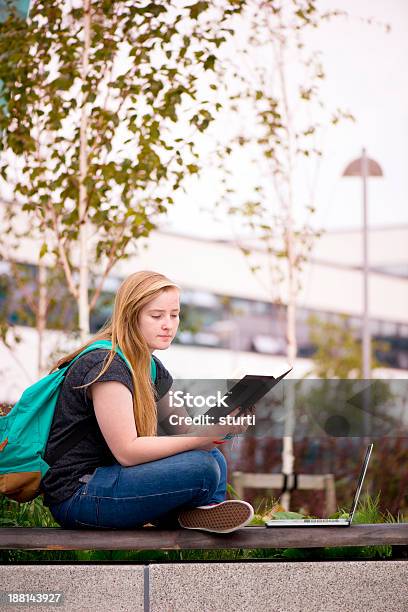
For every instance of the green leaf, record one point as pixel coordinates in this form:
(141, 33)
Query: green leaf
(198, 8)
(209, 62)
(44, 249)
(153, 8)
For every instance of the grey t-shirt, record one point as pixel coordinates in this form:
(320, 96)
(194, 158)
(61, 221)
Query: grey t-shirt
(75, 406)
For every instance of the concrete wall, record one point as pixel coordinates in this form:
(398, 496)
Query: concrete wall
(351, 586)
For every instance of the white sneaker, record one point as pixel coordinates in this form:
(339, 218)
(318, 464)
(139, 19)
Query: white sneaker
(225, 517)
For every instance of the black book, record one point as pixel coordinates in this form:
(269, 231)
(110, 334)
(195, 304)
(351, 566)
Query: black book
(245, 393)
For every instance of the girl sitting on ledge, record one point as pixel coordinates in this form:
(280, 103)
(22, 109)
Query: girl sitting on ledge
(122, 474)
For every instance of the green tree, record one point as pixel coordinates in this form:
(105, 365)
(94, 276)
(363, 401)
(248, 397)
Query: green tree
(338, 350)
(347, 405)
(286, 117)
(9, 336)
(278, 90)
(99, 123)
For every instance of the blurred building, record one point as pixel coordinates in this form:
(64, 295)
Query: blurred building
(233, 319)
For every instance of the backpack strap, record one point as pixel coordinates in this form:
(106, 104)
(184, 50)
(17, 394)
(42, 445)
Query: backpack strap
(107, 344)
(86, 425)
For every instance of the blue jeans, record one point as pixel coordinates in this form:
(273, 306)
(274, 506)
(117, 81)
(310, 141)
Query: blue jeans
(118, 497)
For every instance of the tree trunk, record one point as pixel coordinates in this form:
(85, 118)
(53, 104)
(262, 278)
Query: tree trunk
(83, 301)
(41, 314)
(289, 239)
(288, 458)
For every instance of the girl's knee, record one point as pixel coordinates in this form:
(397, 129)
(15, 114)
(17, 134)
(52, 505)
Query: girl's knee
(222, 462)
(206, 465)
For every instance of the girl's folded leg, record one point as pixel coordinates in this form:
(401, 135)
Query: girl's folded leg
(221, 492)
(118, 497)
(170, 520)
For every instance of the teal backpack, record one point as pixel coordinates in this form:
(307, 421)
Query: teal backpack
(24, 432)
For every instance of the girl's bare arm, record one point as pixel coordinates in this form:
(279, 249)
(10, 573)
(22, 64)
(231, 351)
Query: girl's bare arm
(113, 407)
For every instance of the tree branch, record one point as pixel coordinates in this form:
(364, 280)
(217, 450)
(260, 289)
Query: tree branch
(113, 257)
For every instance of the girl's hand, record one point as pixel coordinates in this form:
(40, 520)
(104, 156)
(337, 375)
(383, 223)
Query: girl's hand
(206, 443)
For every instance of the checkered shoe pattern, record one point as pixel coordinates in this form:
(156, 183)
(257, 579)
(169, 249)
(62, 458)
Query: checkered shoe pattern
(225, 517)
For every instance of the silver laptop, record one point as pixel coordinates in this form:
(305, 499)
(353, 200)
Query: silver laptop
(321, 522)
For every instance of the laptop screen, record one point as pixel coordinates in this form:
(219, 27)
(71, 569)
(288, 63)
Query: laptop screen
(361, 480)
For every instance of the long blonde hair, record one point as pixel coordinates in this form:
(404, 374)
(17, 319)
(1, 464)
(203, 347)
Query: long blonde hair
(123, 330)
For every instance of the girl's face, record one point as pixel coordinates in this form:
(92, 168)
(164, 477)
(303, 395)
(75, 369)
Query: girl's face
(159, 319)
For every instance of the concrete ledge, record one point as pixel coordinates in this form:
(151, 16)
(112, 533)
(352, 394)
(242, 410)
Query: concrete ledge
(323, 586)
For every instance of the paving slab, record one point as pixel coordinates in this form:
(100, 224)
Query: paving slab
(332, 586)
(95, 588)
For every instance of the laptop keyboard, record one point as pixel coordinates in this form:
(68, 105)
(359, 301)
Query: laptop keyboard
(320, 520)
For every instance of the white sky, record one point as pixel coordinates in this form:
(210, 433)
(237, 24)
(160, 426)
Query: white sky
(366, 74)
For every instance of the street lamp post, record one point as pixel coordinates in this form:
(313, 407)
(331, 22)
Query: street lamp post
(365, 167)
